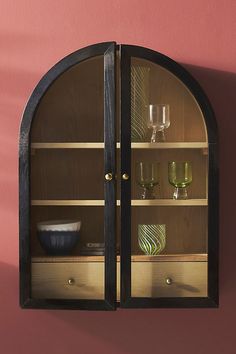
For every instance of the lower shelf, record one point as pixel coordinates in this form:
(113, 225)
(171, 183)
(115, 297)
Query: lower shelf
(76, 279)
(196, 257)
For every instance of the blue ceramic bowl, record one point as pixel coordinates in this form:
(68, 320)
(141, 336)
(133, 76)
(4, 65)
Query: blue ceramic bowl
(58, 243)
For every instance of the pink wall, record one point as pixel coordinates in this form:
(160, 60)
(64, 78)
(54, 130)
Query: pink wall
(33, 36)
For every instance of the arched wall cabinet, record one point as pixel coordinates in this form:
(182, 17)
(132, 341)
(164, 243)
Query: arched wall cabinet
(83, 135)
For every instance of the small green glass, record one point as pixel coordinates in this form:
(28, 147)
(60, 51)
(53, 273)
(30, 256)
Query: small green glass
(147, 177)
(180, 176)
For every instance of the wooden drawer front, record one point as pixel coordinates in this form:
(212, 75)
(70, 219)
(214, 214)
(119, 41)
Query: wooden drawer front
(50, 280)
(148, 279)
(188, 279)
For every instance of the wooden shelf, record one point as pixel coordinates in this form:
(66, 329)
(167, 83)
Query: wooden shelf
(134, 202)
(71, 202)
(169, 202)
(172, 145)
(67, 146)
(202, 257)
(97, 145)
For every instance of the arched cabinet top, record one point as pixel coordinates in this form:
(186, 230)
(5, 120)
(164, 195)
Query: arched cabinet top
(50, 77)
(128, 52)
(191, 84)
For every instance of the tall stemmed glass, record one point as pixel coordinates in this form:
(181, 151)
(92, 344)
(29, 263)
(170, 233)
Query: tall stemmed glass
(158, 121)
(147, 177)
(180, 176)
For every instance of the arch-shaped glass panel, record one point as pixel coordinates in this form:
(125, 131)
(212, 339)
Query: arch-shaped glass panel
(71, 206)
(165, 152)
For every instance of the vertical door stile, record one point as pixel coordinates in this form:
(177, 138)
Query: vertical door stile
(110, 168)
(125, 184)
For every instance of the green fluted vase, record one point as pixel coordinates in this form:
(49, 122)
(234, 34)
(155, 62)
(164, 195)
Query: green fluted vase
(139, 102)
(152, 238)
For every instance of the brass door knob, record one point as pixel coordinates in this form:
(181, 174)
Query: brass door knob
(169, 281)
(108, 176)
(71, 281)
(125, 176)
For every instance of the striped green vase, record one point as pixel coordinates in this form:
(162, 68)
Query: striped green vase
(152, 238)
(139, 102)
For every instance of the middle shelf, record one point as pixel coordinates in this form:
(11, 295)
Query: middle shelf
(134, 202)
(138, 145)
(70, 175)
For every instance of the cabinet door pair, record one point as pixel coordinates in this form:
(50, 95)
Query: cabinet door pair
(118, 185)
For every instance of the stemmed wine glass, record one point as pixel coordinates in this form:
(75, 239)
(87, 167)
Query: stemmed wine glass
(158, 120)
(147, 177)
(180, 176)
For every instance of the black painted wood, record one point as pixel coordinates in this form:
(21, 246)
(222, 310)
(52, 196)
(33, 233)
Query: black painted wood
(106, 49)
(213, 224)
(127, 52)
(125, 202)
(110, 167)
(56, 304)
(170, 302)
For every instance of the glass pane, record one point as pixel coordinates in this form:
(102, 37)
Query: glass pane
(169, 186)
(67, 186)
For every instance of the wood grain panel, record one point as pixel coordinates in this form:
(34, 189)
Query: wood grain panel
(67, 174)
(50, 280)
(189, 279)
(72, 108)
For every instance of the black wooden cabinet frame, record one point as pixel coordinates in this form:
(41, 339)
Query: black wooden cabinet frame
(126, 52)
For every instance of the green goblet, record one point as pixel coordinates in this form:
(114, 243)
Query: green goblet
(180, 176)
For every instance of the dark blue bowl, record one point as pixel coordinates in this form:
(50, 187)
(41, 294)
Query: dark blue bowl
(58, 243)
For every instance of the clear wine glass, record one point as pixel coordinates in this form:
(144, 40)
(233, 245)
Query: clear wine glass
(147, 177)
(180, 176)
(158, 121)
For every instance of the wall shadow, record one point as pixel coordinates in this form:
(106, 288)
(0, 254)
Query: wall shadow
(220, 88)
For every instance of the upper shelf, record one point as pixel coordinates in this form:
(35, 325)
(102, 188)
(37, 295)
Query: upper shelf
(97, 145)
(134, 202)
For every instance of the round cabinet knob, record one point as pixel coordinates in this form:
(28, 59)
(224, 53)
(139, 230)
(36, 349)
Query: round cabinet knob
(169, 281)
(108, 176)
(71, 281)
(125, 176)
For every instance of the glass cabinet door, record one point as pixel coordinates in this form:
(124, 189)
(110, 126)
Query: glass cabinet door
(165, 201)
(72, 184)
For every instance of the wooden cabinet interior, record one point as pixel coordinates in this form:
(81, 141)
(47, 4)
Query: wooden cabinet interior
(72, 108)
(75, 99)
(67, 174)
(186, 226)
